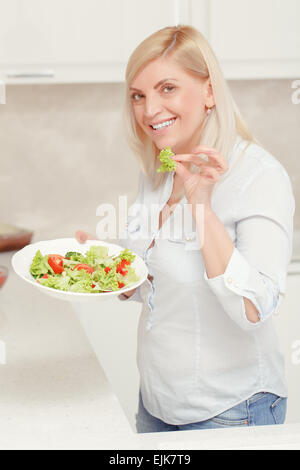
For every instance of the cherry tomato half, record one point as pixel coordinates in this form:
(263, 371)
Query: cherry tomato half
(86, 267)
(56, 263)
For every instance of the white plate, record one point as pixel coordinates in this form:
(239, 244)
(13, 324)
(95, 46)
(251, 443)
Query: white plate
(22, 260)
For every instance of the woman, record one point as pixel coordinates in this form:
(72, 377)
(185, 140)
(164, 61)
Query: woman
(208, 354)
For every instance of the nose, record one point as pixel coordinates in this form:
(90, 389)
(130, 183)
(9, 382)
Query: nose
(153, 106)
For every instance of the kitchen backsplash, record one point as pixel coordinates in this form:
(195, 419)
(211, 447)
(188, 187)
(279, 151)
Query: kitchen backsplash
(63, 150)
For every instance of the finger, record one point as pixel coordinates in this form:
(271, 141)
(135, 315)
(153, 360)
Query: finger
(182, 172)
(214, 155)
(200, 162)
(81, 236)
(195, 159)
(205, 148)
(210, 173)
(207, 172)
(129, 293)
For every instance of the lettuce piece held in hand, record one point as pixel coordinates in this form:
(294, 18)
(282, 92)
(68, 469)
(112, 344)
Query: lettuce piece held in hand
(167, 164)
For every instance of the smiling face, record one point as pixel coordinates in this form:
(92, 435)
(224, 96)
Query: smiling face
(169, 104)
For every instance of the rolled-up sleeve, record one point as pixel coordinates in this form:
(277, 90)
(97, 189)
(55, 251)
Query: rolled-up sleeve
(259, 262)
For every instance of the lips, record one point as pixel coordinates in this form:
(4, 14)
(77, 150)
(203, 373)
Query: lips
(162, 121)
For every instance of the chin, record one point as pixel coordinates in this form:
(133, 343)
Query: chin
(167, 143)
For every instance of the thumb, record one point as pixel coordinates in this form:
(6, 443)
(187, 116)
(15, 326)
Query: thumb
(81, 236)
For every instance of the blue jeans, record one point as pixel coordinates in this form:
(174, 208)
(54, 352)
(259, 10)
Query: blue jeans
(260, 409)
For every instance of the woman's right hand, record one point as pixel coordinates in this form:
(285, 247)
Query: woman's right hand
(82, 236)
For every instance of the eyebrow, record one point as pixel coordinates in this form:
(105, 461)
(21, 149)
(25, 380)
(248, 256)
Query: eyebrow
(157, 85)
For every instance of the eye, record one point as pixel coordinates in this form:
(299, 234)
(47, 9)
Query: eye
(134, 95)
(168, 87)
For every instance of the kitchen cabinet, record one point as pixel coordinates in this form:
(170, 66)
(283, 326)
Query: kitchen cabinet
(69, 41)
(251, 38)
(74, 40)
(111, 328)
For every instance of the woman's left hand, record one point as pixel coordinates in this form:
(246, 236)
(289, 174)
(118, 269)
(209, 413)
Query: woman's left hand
(198, 187)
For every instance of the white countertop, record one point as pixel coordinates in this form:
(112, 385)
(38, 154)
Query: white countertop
(54, 394)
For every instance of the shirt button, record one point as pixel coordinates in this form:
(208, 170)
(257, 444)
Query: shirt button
(229, 280)
(187, 238)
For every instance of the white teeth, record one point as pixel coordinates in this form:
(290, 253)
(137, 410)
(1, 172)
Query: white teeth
(163, 124)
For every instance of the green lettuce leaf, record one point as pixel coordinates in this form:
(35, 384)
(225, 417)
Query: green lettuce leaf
(130, 277)
(83, 286)
(56, 281)
(74, 256)
(39, 265)
(78, 275)
(96, 254)
(125, 254)
(106, 281)
(80, 280)
(167, 164)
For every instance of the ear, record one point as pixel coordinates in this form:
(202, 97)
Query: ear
(209, 95)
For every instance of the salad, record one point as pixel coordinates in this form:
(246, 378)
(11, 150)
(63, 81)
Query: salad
(167, 164)
(94, 272)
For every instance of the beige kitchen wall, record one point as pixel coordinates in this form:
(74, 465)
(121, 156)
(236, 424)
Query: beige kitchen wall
(63, 150)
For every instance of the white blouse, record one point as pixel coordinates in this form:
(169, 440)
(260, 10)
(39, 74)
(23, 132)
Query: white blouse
(198, 354)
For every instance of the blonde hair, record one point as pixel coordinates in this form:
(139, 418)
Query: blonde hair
(189, 48)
